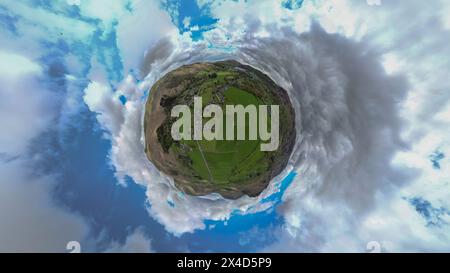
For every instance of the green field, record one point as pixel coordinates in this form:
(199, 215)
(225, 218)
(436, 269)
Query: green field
(225, 161)
(231, 168)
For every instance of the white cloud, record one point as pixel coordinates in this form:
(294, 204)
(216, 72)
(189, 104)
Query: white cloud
(13, 65)
(134, 39)
(104, 10)
(23, 102)
(186, 22)
(36, 23)
(30, 221)
(73, 2)
(101, 98)
(373, 2)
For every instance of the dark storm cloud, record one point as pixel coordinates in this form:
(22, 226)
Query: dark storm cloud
(161, 50)
(347, 111)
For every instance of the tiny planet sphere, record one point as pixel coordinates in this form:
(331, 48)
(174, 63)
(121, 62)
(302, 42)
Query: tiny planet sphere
(230, 165)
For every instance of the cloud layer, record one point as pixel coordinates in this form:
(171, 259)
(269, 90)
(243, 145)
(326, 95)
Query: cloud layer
(351, 93)
(369, 87)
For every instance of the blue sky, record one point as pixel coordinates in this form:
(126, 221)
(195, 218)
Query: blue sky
(182, 12)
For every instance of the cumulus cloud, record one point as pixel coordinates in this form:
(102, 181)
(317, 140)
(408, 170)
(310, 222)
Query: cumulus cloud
(30, 220)
(101, 99)
(23, 102)
(133, 41)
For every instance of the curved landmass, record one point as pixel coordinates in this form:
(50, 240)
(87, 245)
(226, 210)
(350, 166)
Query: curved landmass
(231, 168)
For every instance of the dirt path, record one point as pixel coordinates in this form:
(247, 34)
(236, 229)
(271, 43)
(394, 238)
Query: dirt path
(204, 160)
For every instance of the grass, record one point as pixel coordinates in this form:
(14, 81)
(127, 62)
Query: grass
(227, 161)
